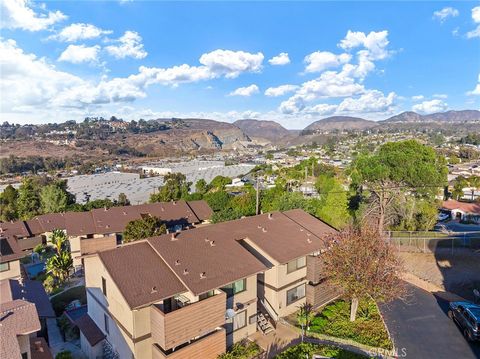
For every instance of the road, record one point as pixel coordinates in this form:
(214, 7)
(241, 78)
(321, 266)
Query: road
(421, 329)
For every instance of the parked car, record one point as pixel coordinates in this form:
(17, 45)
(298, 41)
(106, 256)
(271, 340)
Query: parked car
(467, 316)
(443, 216)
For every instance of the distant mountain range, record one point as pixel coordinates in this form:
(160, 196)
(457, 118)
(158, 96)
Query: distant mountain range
(449, 116)
(269, 130)
(339, 123)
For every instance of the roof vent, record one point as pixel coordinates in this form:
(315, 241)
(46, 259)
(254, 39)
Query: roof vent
(301, 229)
(174, 203)
(107, 226)
(174, 236)
(185, 271)
(124, 213)
(309, 240)
(270, 216)
(212, 243)
(154, 290)
(203, 275)
(162, 209)
(309, 234)
(105, 208)
(259, 226)
(177, 262)
(264, 229)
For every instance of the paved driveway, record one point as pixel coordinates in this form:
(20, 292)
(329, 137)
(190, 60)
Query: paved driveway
(421, 329)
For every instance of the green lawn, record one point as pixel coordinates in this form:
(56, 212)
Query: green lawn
(368, 328)
(307, 350)
(60, 301)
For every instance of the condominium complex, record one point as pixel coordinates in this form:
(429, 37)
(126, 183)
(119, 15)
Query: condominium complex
(193, 293)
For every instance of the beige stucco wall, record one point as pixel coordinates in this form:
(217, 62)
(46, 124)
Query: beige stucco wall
(118, 309)
(24, 344)
(13, 272)
(246, 300)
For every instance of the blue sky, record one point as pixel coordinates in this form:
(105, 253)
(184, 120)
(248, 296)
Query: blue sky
(286, 61)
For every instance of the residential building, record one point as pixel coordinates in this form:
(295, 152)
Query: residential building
(100, 229)
(194, 293)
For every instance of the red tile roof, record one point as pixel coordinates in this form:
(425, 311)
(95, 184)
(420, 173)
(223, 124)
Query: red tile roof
(462, 206)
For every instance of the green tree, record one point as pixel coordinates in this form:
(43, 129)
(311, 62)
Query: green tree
(123, 200)
(146, 227)
(201, 186)
(53, 199)
(8, 204)
(218, 200)
(333, 205)
(175, 187)
(219, 182)
(396, 168)
(28, 203)
(60, 264)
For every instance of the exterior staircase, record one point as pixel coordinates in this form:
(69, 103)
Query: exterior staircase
(263, 323)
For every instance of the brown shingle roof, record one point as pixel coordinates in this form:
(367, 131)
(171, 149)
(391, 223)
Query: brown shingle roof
(210, 257)
(17, 317)
(79, 223)
(16, 229)
(9, 250)
(309, 222)
(34, 292)
(140, 274)
(39, 349)
(201, 209)
(49, 222)
(90, 330)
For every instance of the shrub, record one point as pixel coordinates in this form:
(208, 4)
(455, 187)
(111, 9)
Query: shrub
(307, 350)
(66, 354)
(242, 350)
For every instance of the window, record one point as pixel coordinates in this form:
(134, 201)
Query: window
(239, 321)
(4, 266)
(209, 294)
(104, 287)
(105, 318)
(296, 264)
(235, 287)
(295, 294)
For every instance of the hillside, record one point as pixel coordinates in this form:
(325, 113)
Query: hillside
(339, 123)
(449, 116)
(269, 130)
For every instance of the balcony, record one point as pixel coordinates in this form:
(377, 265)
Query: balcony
(30, 242)
(207, 347)
(176, 327)
(315, 269)
(93, 245)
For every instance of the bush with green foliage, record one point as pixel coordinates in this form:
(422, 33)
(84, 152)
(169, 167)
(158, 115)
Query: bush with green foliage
(307, 350)
(146, 227)
(242, 350)
(66, 354)
(368, 328)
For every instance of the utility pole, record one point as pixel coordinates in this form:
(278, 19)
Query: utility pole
(257, 206)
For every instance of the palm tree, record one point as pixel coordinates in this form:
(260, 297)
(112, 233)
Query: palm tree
(58, 238)
(59, 265)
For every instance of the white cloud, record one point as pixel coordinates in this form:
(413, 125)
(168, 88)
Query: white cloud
(79, 31)
(445, 13)
(476, 20)
(280, 90)
(375, 44)
(370, 101)
(280, 59)
(18, 14)
(245, 91)
(321, 109)
(129, 45)
(32, 84)
(80, 53)
(231, 63)
(440, 95)
(430, 106)
(321, 60)
(476, 90)
(418, 98)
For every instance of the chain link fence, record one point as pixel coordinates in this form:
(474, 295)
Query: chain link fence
(431, 242)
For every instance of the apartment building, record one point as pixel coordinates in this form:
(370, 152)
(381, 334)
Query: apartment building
(101, 229)
(10, 255)
(194, 293)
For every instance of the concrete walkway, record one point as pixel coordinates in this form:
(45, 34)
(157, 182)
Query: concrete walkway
(56, 342)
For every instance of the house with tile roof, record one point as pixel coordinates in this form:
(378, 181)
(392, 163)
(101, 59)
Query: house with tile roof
(192, 294)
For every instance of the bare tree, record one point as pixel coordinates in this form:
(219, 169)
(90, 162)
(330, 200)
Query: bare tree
(364, 264)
